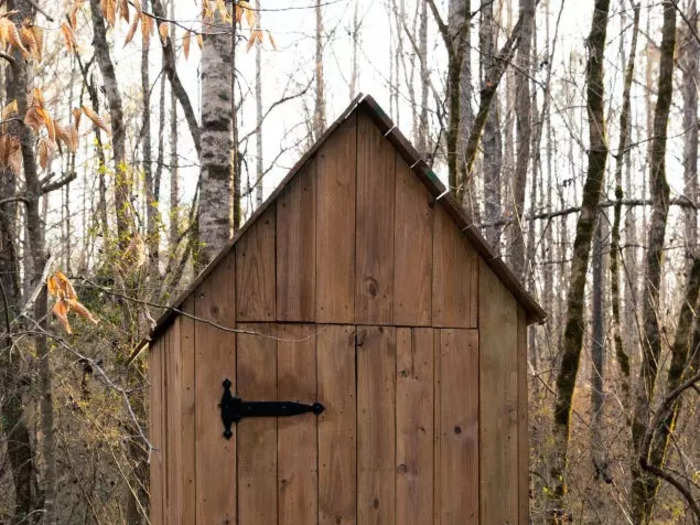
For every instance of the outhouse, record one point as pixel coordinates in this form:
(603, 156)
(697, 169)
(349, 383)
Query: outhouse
(356, 354)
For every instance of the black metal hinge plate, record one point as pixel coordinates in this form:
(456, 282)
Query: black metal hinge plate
(233, 409)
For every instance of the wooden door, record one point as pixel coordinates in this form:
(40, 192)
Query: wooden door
(396, 444)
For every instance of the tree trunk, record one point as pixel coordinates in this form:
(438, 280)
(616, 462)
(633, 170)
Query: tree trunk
(122, 184)
(621, 354)
(491, 141)
(641, 496)
(423, 129)
(14, 425)
(523, 131)
(573, 332)
(174, 163)
(216, 141)
(690, 57)
(259, 120)
(320, 104)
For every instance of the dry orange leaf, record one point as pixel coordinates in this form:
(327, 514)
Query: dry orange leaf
(61, 288)
(77, 113)
(124, 9)
(163, 31)
(10, 154)
(132, 29)
(272, 41)
(45, 149)
(95, 119)
(186, 44)
(68, 37)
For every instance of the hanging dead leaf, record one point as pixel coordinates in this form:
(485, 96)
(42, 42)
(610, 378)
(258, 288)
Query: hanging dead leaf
(37, 97)
(109, 11)
(15, 39)
(68, 136)
(221, 10)
(80, 309)
(132, 30)
(39, 39)
(33, 119)
(163, 31)
(60, 310)
(69, 37)
(255, 36)
(200, 42)
(27, 36)
(45, 150)
(77, 113)
(272, 41)
(10, 109)
(95, 119)
(124, 9)
(186, 44)
(250, 17)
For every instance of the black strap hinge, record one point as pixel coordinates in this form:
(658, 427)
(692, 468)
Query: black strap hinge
(233, 409)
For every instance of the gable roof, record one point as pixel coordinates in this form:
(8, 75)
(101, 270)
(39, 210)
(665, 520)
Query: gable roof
(420, 168)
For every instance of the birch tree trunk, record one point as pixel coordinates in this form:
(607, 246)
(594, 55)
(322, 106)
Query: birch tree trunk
(573, 332)
(216, 140)
(642, 493)
(491, 141)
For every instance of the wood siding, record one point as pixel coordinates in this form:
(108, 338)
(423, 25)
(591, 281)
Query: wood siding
(357, 289)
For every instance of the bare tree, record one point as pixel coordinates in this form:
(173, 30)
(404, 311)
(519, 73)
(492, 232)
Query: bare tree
(573, 333)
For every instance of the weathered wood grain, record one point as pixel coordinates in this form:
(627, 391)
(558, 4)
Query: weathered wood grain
(335, 226)
(414, 426)
(187, 428)
(215, 361)
(374, 238)
(458, 461)
(376, 424)
(257, 437)
(523, 445)
(413, 252)
(255, 270)
(498, 410)
(336, 425)
(297, 446)
(296, 248)
(174, 372)
(156, 430)
(455, 273)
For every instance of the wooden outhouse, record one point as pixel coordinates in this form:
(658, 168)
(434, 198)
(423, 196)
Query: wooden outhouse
(358, 288)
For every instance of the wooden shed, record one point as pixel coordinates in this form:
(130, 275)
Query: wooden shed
(357, 285)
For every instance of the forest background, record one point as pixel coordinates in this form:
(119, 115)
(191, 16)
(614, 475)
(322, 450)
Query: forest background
(137, 136)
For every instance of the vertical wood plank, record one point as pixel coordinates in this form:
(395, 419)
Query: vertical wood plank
(498, 362)
(255, 270)
(455, 272)
(187, 407)
(215, 361)
(257, 437)
(523, 445)
(335, 226)
(165, 391)
(156, 431)
(297, 447)
(376, 425)
(413, 252)
(459, 428)
(174, 424)
(414, 426)
(336, 425)
(374, 238)
(296, 248)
